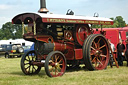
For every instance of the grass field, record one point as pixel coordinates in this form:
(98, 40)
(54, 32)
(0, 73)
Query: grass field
(11, 74)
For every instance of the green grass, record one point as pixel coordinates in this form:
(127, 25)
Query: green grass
(11, 74)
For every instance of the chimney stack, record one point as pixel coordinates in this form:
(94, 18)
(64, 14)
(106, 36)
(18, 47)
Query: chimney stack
(43, 8)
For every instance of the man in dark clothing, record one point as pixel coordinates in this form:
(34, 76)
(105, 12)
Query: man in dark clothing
(120, 52)
(126, 52)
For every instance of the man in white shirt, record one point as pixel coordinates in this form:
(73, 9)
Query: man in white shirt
(112, 46)
(113, 49)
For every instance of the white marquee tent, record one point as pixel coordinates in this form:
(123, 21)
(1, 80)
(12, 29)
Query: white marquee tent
(17, 41)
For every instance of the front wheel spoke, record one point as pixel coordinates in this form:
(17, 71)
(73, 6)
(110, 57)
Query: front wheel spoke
(57, 58)
(30, 68)
(59, 67)
(26, 59)
(34, 68)
(27, 67)
(31, 56)
(51, 69)
(56, 71)
(60, 61)
(26, 63)
(52, 59)
(61, 64)
(102, 47)
(52, 63)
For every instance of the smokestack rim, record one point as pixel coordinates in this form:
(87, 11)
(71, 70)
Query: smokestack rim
(43, 10)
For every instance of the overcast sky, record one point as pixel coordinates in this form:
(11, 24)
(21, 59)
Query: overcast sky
(105, 8)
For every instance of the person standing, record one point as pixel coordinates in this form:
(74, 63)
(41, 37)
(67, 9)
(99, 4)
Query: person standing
(113, 49)
(111, 45)
(126, 52)
(120, 52)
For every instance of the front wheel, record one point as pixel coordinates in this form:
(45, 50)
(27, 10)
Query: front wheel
(55, 64)
(7, 55)
(96, 52)
(26, 63)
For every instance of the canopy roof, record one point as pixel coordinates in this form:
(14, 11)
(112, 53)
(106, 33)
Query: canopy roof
(55, 18)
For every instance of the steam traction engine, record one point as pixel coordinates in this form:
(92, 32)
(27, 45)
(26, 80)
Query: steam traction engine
(61, 41)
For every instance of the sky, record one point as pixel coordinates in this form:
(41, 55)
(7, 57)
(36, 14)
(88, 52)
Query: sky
(105, 8)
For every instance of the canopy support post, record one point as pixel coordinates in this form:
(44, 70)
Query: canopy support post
(34, 28)
(22, 28)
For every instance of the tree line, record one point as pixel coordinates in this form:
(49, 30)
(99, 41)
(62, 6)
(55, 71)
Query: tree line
(14, 31)
(10, 31)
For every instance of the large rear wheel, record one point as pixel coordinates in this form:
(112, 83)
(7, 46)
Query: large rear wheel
(55, 64)
(96, 52)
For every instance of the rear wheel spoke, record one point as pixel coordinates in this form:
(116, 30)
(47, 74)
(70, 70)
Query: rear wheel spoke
(100, 62)
(102, 47)
(103, 55)
(94, 59)
(95, 44)
(99, 40)
(95, 63)
(93, 48)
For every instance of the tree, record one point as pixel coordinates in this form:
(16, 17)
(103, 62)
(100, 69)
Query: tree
(121, 22)
(10, 31)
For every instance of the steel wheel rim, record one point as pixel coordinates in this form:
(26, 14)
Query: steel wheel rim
(57, 65)
(99, 53)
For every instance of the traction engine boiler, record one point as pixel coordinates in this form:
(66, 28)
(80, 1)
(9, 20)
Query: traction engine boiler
(61, 41)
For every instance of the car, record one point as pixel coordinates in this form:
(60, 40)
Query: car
(12, 50)
(26, 48)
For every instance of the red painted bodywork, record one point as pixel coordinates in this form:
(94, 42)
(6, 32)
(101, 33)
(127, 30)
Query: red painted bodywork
(78, 54)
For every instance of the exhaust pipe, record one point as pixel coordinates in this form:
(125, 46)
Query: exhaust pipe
(43, 8)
